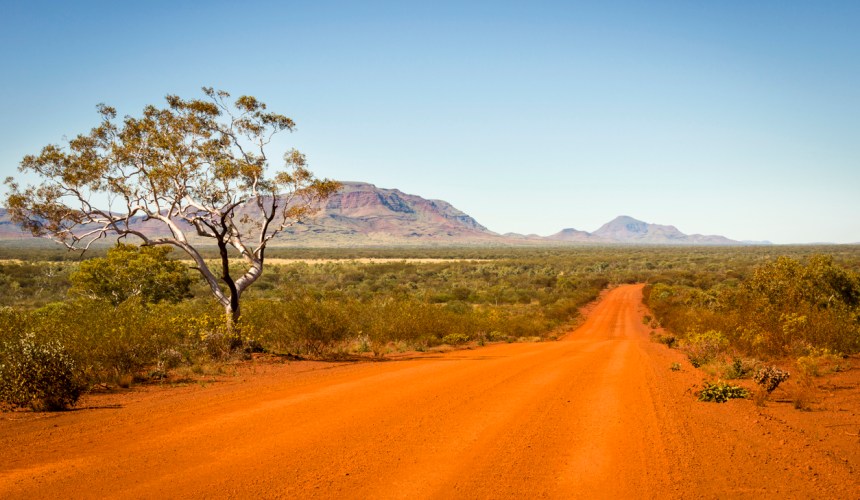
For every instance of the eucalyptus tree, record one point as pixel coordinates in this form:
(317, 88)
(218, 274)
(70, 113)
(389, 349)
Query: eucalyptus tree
(192, 173)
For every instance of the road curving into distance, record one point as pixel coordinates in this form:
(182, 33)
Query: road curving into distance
(596, 414)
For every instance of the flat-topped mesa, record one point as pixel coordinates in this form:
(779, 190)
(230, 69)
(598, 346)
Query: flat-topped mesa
(362, 210)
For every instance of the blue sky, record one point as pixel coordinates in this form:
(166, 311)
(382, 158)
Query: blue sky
(733, 118)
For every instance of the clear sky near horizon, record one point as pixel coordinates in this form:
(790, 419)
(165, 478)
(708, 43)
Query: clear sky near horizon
(734, 118)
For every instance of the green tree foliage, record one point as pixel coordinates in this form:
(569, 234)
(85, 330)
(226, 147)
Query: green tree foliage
(131, 271)
(197, 170)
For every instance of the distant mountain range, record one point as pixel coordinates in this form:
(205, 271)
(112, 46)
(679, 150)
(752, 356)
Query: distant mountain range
(627, 230)
(362, 214)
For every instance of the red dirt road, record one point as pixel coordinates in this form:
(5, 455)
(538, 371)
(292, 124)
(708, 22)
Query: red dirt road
(597, 414)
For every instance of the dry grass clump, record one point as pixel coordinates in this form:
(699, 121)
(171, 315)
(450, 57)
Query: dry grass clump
(802, 396)
(820, 362)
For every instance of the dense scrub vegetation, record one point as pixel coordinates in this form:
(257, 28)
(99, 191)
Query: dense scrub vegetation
(114, 326)
(802, 312)
(716, 302)
(785, 307)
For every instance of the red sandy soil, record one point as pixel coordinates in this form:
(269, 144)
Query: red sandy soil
(596, 414)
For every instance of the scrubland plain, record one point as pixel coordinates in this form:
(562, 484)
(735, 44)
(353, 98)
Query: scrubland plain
(486, 386)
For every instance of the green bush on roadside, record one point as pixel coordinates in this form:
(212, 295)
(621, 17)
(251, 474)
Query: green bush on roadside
(784, 307)
(720, 392)
(455, 339)
(39, 375)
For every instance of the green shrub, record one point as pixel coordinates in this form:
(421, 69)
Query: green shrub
(496, 336)
(363, 344)
(720, 392)
(740, 368)
(563, 309)
(455, 339)
(668, 340)
(39, 375)
(132, 271)
(169, 359)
